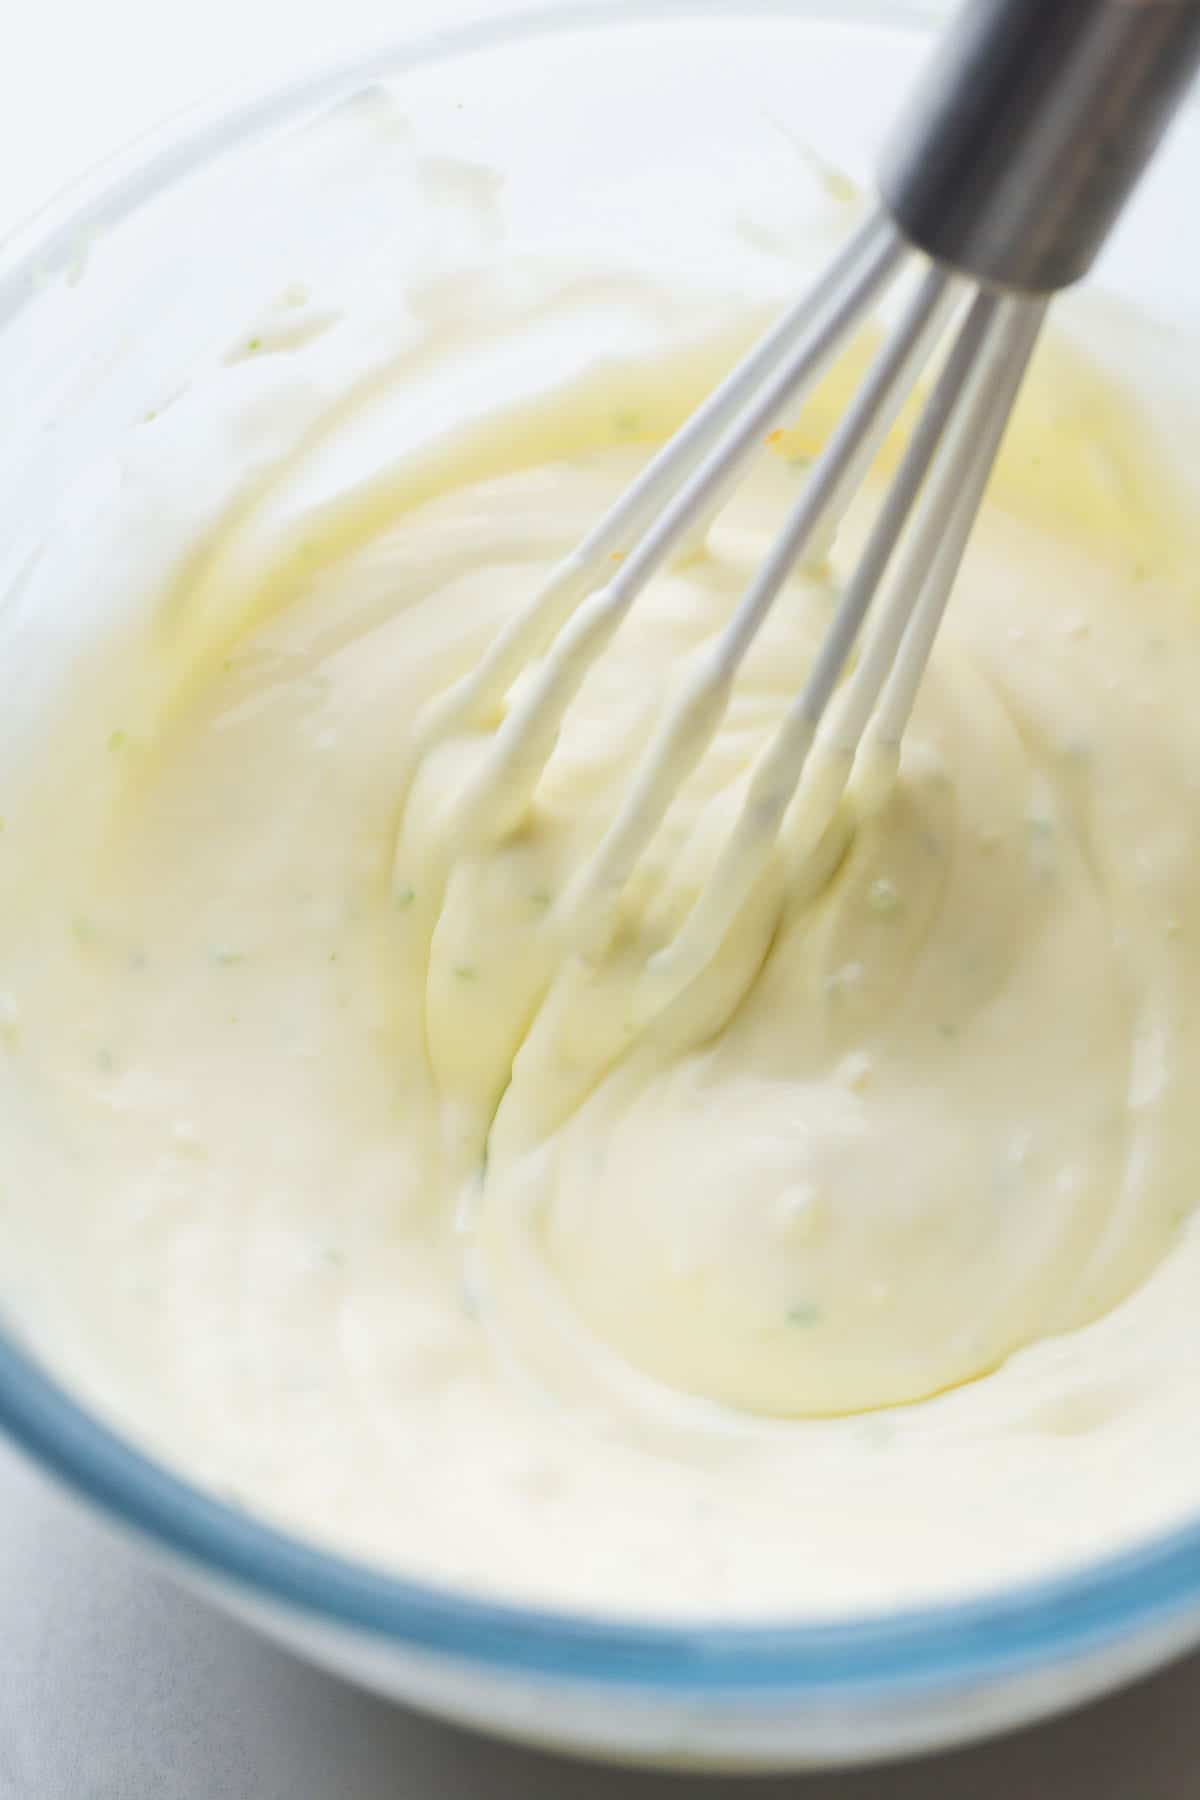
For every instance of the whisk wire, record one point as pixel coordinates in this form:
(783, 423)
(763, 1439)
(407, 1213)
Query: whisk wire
(943, 475)
(804, 336)
(679, 743)
(502, 789)
(938, 543)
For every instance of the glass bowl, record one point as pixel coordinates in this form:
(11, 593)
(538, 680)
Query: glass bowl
(654, 136)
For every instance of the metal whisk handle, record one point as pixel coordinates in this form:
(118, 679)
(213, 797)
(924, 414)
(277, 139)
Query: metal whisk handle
(1030, 130)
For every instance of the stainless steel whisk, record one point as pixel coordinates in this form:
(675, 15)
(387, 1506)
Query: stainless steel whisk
(1006, 174)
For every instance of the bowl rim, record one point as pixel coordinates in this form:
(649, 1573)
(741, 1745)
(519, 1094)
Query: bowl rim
(1030, 1624)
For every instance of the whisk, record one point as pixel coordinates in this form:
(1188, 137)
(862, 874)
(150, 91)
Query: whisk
(1006, 174)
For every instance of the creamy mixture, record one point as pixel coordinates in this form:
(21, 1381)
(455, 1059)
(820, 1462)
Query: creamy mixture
(343, 1173)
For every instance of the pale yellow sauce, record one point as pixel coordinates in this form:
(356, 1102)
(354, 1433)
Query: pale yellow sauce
(348, 1180)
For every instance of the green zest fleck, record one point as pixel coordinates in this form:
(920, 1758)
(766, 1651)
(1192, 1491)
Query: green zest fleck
(116, 740)
(1039, 845)
(540, 898)
(254, 344)
(466, 971)
(227, 958)
(805, 1313)
(627, 422)
(404, 898)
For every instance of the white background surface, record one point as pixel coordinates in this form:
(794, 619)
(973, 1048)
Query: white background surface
(113, 1686)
